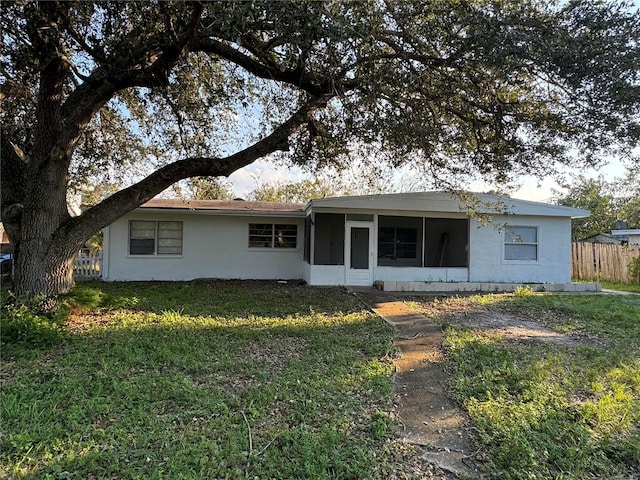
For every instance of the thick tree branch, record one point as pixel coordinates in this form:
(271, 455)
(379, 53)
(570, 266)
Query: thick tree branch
(117, 75)
(97, 53)
(82, 227)
(12, 187)
(297, 76)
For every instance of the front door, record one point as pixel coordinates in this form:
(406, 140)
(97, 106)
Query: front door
(359, 253)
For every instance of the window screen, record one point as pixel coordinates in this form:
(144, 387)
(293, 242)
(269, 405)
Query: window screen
(328, 242)
(269, 235)
(521, 243)
(155, 238)
(399, 241)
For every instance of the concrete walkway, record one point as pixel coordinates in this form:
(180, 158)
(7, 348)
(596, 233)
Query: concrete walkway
(430, 417)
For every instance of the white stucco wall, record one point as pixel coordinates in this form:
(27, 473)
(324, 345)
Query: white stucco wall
(421, 274)
(214, 246)
(325, 275)
(486, 257)
(486, 254)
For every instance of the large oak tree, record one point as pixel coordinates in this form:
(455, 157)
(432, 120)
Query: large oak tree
(461, 87)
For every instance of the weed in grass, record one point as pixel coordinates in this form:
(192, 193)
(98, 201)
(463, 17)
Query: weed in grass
(523, 291)
(553, 411)
(84, 297)
(214, 381)
(23, 331)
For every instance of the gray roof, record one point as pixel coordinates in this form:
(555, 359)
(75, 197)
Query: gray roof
(602, 238)
(446, 202)
(443, 202)
(224, 206)
(626, 232)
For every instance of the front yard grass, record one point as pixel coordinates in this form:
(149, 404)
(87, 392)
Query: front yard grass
(259, 380)
(199, 380)
(550, 411)
(625, 287)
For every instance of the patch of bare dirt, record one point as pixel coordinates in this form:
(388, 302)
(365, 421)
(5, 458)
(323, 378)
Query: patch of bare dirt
(540, 326)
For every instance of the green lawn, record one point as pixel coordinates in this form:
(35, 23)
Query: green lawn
(625, 287)
(199, 380)
(544, 411)
(258, 380)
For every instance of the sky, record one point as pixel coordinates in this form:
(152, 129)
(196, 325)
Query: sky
(536, 189)
(540, 190)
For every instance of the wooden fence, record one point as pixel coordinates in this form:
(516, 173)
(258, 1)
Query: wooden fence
(88, 265)
(598, 261)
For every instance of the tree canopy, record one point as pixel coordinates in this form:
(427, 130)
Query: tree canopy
(156, 92)
(609, 203)
(295, 192)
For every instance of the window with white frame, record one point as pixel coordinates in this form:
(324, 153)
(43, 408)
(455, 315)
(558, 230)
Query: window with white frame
(155, 237)
(521, 243)
(273, 235)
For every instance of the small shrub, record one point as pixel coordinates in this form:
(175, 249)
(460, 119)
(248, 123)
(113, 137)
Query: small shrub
(20, 324)
(523, 291)
(381, 426)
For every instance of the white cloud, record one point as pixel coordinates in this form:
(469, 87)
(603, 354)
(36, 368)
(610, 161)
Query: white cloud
(260, 172)
(531, 188)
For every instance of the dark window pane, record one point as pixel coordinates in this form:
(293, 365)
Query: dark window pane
(142, 246)
(446, 242)
(407, 235)
(387, 234)
(520, 252)
(286, 236)
(399, 241)
(260, 235)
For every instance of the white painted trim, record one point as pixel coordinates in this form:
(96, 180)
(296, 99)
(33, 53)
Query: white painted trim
(354, 278)
(539, 231)
(104, 268)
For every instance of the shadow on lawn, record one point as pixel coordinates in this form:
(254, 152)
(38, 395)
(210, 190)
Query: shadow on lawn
(260, 386)
(225, 297)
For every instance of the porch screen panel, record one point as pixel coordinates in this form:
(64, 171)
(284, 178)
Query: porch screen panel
(399, 241)
(328, 240)
(446, 242)
(359, 248)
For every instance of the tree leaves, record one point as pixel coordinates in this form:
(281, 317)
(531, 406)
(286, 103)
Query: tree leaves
(481, 88)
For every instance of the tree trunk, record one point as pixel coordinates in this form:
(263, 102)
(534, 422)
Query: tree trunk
(42, 276)
(44, 265)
